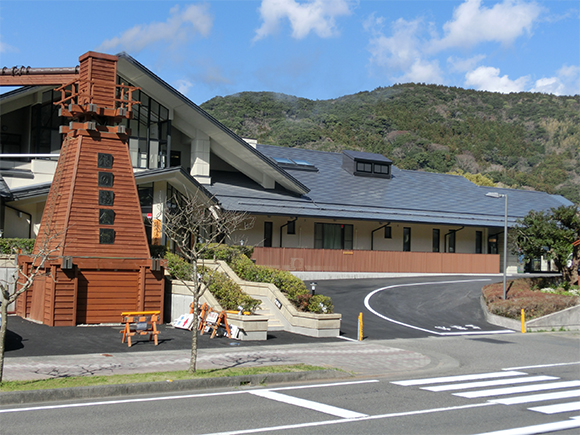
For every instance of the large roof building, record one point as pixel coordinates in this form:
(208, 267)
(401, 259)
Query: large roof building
(324, 202)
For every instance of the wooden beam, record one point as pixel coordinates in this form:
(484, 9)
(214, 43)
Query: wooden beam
(37, 80)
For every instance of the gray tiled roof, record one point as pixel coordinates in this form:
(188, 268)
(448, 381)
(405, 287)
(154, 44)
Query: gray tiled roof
(409, 196)
(4, 189)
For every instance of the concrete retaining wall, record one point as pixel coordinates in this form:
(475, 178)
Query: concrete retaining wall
(568, 319)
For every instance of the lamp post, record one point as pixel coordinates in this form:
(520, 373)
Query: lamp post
(500, 195)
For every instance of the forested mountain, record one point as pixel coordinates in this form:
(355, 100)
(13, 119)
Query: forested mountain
(523, 140)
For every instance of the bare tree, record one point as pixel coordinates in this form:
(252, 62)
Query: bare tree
(24, 278)
(195, 222)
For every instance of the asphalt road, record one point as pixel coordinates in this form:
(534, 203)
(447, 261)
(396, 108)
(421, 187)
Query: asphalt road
(435, 402)
(410, 307)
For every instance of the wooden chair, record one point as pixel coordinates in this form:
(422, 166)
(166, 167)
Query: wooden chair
(140, 322)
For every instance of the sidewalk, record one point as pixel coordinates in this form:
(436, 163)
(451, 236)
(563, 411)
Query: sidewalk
(366, 359)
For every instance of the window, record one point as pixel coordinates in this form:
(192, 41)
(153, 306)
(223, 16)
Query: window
(379, 168)
(436, 234)
(492, 244)
(478, 242)
(452, 241)
(364, 167)
(291, 227)
(388, 233)
(150, 130)
(268, 234)
(406, 239)
(333, 236)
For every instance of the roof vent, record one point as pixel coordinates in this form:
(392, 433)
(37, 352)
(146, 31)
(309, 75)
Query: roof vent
(366, 164)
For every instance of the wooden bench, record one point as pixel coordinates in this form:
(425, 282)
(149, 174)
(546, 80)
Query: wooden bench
(140, 322)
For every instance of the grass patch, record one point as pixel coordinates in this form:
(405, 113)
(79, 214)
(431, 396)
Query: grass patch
(524, 293)
(89, 381)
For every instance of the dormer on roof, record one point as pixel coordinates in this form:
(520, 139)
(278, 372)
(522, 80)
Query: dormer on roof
(366, 164)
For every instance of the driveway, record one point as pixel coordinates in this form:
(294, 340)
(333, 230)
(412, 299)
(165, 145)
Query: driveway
(410, 307)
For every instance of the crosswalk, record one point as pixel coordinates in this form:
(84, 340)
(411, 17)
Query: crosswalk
(510, 387)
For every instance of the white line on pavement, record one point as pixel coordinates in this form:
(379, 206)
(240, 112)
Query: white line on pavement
(458, 378)
(343, 421)
(496, 382)
(309, 404)
(538, 428)
(182, 396)
(520, 389)
(537, 397)
(543, 366)
(557, 408)
(388, 319)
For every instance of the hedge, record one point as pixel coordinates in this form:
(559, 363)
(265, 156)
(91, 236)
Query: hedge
(229, 295)
(16, 246)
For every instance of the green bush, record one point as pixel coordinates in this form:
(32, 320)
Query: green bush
(229, 295)
(16, 246)
(226, 253)
(294, 288)
(178, 267)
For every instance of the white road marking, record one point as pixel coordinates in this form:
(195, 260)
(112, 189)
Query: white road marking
(183, 396)
(538, 428)
(343, 421)
(516, 390)
(309, 404)
(537, 397)
(458, 378)
(495, 382)
(557, 408)
(543, 366)
(388, 319)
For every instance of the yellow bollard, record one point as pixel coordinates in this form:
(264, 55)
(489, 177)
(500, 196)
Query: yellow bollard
(360, 327)
(523, 322)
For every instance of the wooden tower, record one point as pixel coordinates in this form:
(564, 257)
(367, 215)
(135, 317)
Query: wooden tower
(92, 219)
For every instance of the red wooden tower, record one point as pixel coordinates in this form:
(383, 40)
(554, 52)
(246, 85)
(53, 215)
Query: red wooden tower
(92, 218)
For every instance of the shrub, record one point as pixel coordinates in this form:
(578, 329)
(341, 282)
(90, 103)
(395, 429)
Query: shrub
(520, 294)
(178, 267)
(293, 287)
(16, 246)
(229, 295)
(226, 253)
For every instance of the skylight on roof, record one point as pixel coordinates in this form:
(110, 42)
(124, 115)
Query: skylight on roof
(299, 164)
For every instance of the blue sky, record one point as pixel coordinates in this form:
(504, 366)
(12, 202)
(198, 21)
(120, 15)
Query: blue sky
(317, 49)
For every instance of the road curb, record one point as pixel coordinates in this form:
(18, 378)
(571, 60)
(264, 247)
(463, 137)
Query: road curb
(100, 391)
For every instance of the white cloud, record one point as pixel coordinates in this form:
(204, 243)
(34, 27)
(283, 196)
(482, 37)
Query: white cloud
(6, 48)
(473, 23)
(402, 51)
(566, 82)
(316, 16)
(180, 25)
(183, 86)
(458, 64)
(487, 78)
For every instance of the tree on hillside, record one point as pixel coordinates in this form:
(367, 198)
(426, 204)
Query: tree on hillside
(23, 280)
(551, 235)
(195, 222)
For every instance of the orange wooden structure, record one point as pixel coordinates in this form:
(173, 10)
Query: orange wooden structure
(92, 218)
(335, 260)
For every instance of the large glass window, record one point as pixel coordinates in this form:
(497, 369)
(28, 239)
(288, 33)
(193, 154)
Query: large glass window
(436, 235)
(452, 241)
(478, 242)
(268, 234)
(406, 239)
(333, 236)
(150, 130)
(46, 136)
